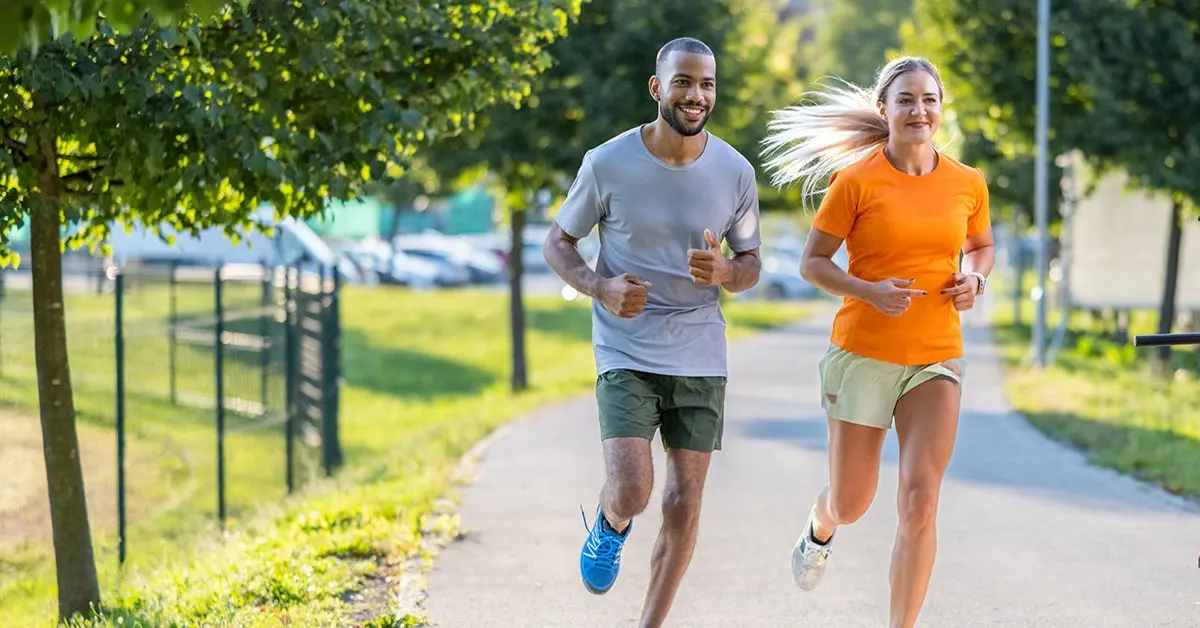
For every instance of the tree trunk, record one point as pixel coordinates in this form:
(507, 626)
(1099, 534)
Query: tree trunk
(516, 269)
(1166, 314)
(394, 229)
(78, 588)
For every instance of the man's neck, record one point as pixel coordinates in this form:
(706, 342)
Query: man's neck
(668, 145)
(913, 159)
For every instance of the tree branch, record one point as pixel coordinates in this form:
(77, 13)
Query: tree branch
(88, 175)
(12, 145)
(79, 195)
(88, 159)
(87, 185)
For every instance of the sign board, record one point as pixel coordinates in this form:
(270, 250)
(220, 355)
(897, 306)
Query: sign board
(1118, 250)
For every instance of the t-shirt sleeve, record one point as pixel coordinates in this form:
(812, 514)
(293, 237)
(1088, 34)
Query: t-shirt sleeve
(839, 208)
(744, 234)
(584, 206)
(980, 219)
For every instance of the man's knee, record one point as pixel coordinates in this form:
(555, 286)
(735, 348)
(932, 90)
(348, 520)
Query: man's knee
(684, 490)
(629, 495)
(630, 476)
(681, 507)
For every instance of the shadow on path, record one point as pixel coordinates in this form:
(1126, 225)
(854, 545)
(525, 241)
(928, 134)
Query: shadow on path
(1004, 451)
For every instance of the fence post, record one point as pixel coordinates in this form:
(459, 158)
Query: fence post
(335, 380)
(173, 328)
(264, 330)
(2, 296)
(289, 376)
(220, 386)
(331, 448)
(119, 288)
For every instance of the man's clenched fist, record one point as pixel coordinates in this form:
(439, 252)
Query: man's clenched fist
(624, 295)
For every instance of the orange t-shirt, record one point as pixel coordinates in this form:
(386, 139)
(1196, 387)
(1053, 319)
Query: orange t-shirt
(902, 226)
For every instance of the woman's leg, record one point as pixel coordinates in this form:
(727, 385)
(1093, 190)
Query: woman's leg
(854, 452)
(926, 427)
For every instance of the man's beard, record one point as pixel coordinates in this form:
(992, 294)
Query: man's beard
(670, 114)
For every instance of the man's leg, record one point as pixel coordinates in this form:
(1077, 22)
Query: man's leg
(629, 479)
(686, 473)
(692, 426)
(628, 419)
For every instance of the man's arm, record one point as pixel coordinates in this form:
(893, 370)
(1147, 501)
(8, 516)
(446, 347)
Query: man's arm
(744, 271)
(746, 265)
(623, 295)
(562, 254)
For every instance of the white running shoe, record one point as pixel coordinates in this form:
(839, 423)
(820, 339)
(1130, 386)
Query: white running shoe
(809, 556)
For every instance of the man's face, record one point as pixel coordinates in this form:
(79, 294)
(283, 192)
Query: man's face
(686, 89)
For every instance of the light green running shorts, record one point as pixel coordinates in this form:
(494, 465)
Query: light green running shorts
(863, 390)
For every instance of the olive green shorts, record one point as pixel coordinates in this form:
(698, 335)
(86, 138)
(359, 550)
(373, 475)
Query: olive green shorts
(863, 390)
(688, 411)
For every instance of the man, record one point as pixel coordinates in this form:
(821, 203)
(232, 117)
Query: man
(663, 195)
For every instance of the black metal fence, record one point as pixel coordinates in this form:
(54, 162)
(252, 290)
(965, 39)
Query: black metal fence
(218, 387)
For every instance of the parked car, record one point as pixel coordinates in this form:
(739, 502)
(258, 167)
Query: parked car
(292, 243)
(780, 279)
(483, 266)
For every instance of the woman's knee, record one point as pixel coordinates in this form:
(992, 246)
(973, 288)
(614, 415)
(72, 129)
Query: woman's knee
(855, 451)
(849, 506)
(918, 505)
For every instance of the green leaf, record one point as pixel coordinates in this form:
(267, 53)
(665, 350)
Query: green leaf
(166, 114)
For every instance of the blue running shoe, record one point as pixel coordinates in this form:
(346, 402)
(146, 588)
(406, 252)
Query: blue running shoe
(600, 560)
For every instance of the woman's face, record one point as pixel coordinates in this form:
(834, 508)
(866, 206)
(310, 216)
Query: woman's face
(913, 107)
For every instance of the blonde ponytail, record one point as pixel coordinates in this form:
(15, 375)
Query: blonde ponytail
(810, 141)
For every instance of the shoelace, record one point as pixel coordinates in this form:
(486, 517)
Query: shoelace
(605, 546)
(813, 550)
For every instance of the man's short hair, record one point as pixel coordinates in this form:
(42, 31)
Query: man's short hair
(684, 45)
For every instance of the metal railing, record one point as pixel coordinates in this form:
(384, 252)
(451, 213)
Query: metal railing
(220, 385)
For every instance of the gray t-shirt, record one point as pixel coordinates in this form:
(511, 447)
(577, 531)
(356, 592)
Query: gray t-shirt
(648, 215)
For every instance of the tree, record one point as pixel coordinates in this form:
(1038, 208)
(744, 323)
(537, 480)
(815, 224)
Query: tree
(1007, 163)
(30, 23)
(597, 87)
(1122, 88)
(198, 123)
(854, 38)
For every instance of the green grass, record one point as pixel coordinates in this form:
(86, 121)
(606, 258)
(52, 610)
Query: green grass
(1108, 398)
(171, 456)
(426, 378)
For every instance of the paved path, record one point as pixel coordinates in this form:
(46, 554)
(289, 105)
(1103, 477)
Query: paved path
(1030, 534)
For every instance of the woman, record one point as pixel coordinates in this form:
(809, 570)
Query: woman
(905, 211)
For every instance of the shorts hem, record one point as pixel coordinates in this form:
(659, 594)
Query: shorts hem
(661, 371)
(863, 423)
(705, 450)
(625, 434)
